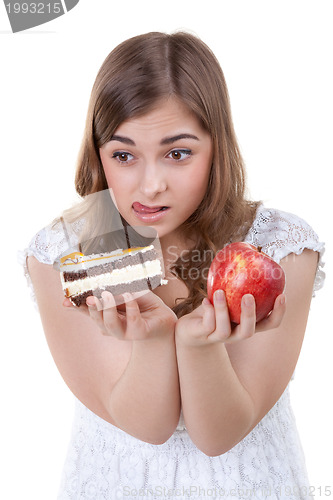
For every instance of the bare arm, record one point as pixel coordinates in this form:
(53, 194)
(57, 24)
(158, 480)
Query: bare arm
(231, 380)
(133, 384)
(150, 380)
(146, 400)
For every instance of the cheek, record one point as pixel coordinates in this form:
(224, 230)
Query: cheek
(119, 185)
(198, 182)
(117, 180)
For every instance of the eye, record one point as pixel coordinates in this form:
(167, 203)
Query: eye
(179, 154)
(122, 156)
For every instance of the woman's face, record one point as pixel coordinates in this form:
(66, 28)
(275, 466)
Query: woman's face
(158, 167)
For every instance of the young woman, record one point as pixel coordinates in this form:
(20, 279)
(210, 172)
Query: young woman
(172, 399)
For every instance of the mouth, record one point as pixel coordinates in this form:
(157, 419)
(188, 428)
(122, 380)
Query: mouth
(144, 209)
(149, 213)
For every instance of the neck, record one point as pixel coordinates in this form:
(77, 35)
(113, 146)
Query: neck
(173, 246)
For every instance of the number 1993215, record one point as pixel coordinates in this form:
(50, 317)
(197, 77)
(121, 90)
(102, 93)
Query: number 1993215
(34, 8)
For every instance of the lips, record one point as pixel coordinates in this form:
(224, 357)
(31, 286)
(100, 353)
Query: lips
(150, 214)
(144, 209)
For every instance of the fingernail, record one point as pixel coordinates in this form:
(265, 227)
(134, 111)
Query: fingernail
(206, 302)
(219, 296)
(282, 300)
(91, 302)
(127, 297)
(247, 300)
(108, 300)
(105, 296)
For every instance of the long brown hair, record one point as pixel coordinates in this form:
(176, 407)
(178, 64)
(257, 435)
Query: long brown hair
(134, 77)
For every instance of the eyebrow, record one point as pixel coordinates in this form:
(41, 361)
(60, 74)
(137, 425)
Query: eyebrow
(170, 140)
(166, 140)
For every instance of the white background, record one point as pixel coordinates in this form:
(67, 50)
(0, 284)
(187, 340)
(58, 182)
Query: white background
(277, 60)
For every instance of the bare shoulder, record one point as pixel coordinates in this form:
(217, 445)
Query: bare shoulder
(89, 362)
(266, 362)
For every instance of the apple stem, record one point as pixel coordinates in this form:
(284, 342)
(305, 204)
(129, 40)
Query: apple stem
(259, 249)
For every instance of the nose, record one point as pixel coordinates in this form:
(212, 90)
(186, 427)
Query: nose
(153, 181)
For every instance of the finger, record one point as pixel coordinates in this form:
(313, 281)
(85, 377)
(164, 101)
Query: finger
(93, 301)
(208, 316)
(135, 324)
(107, 300)
(71, 307)
(95, 311)
(111, 321)
(247, 326)
(275, 318)
(222, 319)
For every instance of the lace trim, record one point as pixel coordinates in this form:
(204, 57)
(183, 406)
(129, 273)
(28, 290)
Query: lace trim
(280, 233)
(22, 256)
(47, 245)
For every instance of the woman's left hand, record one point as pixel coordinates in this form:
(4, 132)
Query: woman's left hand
(211, 323)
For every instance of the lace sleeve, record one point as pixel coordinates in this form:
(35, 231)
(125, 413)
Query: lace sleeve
(46, 246)
(281, 233)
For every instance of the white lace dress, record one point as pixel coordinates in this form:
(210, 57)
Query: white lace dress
(105, 463)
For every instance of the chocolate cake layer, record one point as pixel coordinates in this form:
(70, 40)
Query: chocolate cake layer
(136, 286)
(78, 275)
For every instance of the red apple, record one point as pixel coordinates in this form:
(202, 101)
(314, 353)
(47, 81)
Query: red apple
(241, 268)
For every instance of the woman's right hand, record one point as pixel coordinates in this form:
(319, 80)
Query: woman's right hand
(142, 316)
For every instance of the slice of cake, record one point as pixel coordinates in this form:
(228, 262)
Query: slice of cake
(120, 271)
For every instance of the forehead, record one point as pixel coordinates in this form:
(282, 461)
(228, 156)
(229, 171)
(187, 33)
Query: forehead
(168, 115)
